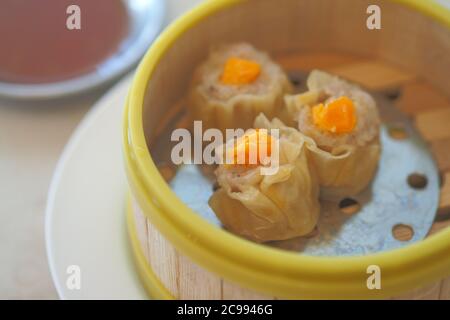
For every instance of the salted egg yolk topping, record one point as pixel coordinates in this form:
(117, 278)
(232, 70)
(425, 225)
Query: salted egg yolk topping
(253, 148)
(239, 71)
(337, 116)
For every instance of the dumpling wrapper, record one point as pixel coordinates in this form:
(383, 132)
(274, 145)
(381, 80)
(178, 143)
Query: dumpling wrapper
(345, 171)
(270, 207)
(224, 106)
(345, 163)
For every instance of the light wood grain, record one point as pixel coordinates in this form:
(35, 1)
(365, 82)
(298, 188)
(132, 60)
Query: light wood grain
(231, 291)
(441, 152)
(438, 225)
(196, 283)
(418, 96)
(445, 290)
(183, 278)
(374, 75)
(430, 292)
(434, 125)
(444, 203)
(141, 230)
(186, 280)
(163, 260)
(418, 49)
(315, 60)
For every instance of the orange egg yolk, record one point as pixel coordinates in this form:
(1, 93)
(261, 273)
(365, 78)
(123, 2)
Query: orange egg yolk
(251, 143)
(337, 116)
(240, 71)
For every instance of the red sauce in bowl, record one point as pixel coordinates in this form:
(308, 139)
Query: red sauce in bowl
(37, 47)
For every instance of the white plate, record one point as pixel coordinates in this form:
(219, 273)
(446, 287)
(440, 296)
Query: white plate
(85, 217)
(85, 221)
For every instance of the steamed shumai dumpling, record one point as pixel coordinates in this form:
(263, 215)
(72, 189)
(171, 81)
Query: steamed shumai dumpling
(234, 85)
(343, 121)
(268, 207)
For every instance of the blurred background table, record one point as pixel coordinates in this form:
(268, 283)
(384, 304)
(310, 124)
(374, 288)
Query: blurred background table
(32, 137)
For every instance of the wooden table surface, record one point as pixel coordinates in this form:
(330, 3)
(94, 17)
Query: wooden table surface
(32, 137)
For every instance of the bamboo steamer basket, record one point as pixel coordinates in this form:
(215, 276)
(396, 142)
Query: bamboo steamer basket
(180, 255)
